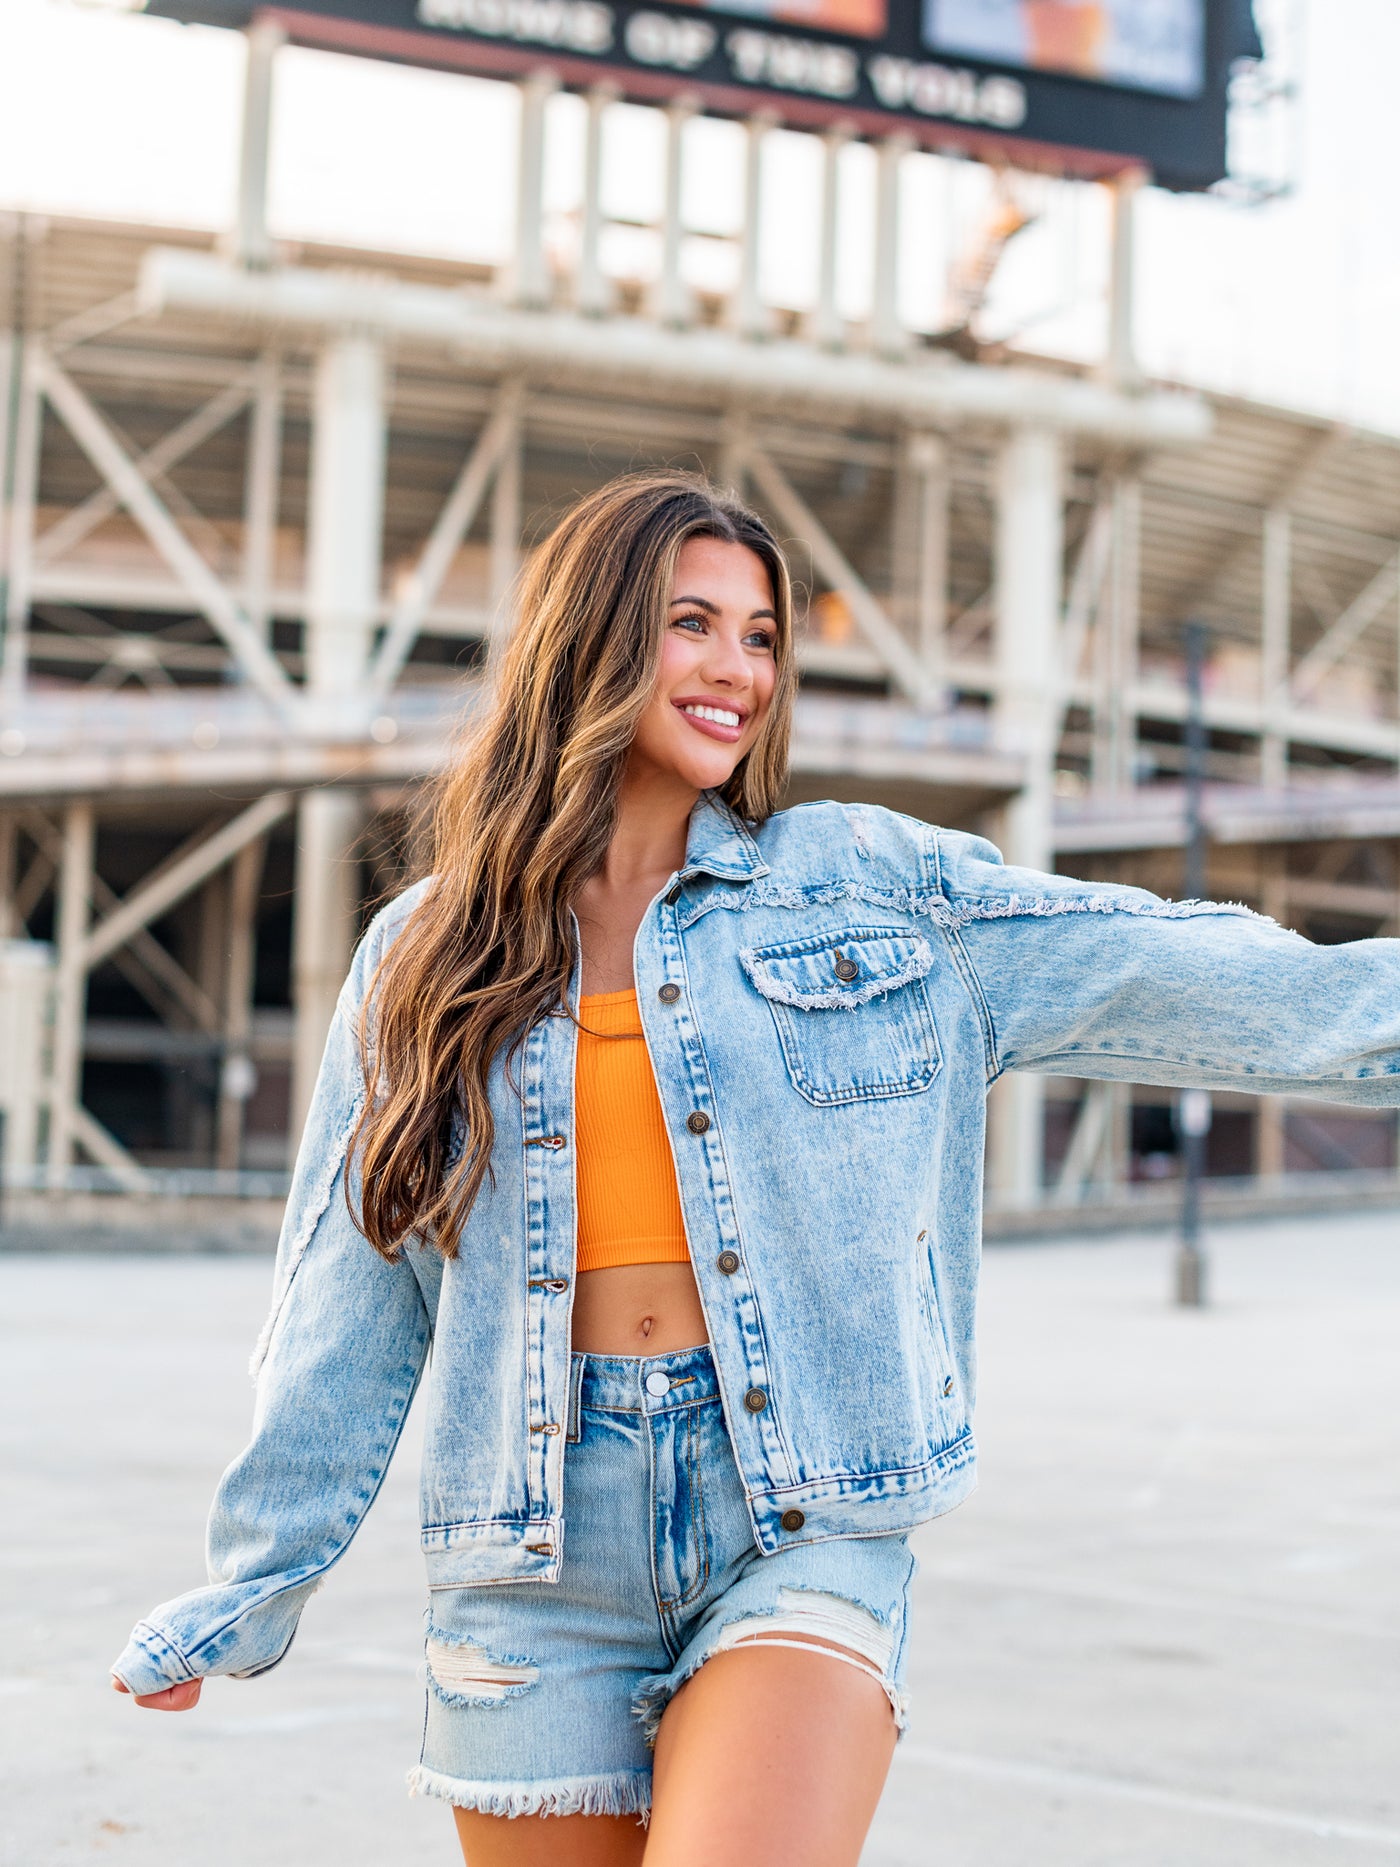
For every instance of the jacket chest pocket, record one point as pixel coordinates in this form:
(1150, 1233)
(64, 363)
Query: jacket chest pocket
(852, 1012)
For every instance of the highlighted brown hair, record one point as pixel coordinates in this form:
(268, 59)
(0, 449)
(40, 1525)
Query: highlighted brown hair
(521, 821)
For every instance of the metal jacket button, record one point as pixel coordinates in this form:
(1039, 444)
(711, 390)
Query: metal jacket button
(755, 1400)
(728, 1262)
(669, 994)
(846, 969)
(697, 1122)
(792, 1520)
(673, 895)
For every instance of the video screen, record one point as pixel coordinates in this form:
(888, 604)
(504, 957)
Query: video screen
(1147, 45)
(861, 19)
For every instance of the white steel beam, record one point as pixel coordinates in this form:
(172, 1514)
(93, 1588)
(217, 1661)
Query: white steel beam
(793, 512)
(450, 527)
(1029, 557)
(106, 453)
(507, 507)
(1121, 363)
(252, 243)
(346, 517)
(672, 296)
(887, 333)
(560, 347)
(828, 326)
(323, 932)
(1275, 630)
(261, 478)
(750, 313)
(20, 498)
(70, 985)
(1349, 627)
(236, 1078)
(151, 899)
(530, 284)
(591, 293)
(65, 533)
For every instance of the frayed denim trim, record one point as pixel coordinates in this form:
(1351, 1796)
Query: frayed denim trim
(626, 1792)
(756, 963)
(1014, 907)
(318, 1197)
(654, 1694)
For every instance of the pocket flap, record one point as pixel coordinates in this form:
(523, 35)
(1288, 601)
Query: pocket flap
(837, 971)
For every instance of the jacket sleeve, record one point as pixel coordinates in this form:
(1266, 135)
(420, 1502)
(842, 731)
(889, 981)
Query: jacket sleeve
(1096, 980)
(337, 1365)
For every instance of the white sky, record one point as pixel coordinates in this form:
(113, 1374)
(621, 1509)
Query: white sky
(1297, 301)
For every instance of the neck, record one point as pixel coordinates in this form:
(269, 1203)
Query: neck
(653, 818)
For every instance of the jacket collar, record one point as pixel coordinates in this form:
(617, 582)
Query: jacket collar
(719, 844)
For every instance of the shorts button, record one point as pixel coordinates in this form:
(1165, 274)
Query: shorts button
(669, 994)
(792, 1520)
(657, 1383)
(728, 1262)
(697, 1122)
(755, 1400)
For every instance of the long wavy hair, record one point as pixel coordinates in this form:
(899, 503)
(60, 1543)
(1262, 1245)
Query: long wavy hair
(522, 819)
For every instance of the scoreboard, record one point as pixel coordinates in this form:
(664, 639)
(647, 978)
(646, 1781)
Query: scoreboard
(1084, 87)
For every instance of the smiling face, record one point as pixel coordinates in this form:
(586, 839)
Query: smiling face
(718, 668)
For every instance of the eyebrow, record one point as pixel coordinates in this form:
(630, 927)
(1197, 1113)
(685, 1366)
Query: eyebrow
(703, 602)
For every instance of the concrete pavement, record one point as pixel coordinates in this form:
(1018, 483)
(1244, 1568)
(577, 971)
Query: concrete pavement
(1164, 1633)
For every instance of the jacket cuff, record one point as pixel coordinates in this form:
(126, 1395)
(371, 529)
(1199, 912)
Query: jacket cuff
(149, 1662)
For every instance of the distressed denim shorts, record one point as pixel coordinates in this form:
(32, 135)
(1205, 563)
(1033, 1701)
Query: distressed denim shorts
(545, 1698)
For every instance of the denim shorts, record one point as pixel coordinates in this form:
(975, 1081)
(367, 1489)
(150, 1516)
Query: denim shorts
(545, 1698)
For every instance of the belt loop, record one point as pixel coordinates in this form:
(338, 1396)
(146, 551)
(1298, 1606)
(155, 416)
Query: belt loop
(575, 1432)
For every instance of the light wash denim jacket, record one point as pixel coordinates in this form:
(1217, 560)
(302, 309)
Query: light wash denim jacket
(825, 1000)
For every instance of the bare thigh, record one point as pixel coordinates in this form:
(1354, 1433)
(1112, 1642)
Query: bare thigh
(773, 1755)
(776, 1756)
(549, 1840)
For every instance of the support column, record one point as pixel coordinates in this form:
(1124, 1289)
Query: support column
(672, 296)
(346, 516)
(887, 333)
(507, 511)
(530, 282)
(1275, 632)
(343, 561)
(237, 1077)
(20, 491)
(1029, 571)
(750, 313)
(921, 547)
(1270, 1139)
(251, 242)
(1121, 364)
(260, 494)
(828, 326)
(1115, 717)
(10, 928)
(70, 986)
(591, 289)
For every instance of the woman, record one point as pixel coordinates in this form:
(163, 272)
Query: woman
(659, 1112)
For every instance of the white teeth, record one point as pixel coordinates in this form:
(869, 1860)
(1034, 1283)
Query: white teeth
(722, 716)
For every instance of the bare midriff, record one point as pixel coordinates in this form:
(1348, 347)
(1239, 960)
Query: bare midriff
(636, 1290)
(638, 1309)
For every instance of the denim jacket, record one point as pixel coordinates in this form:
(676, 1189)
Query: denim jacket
(826, 1000)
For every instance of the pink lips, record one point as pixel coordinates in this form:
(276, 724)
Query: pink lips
(727, 735)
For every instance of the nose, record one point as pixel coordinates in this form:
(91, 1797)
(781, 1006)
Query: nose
(726, 664)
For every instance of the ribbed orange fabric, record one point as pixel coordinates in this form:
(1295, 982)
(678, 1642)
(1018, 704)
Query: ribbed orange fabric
(629, 1211)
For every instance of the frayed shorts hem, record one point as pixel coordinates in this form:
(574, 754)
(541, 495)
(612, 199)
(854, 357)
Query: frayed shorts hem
(626, 1792)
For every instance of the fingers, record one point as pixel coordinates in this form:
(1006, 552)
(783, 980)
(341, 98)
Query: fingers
(182, 1697)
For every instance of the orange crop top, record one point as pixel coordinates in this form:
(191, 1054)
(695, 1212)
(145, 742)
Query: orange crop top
(629, 1211)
